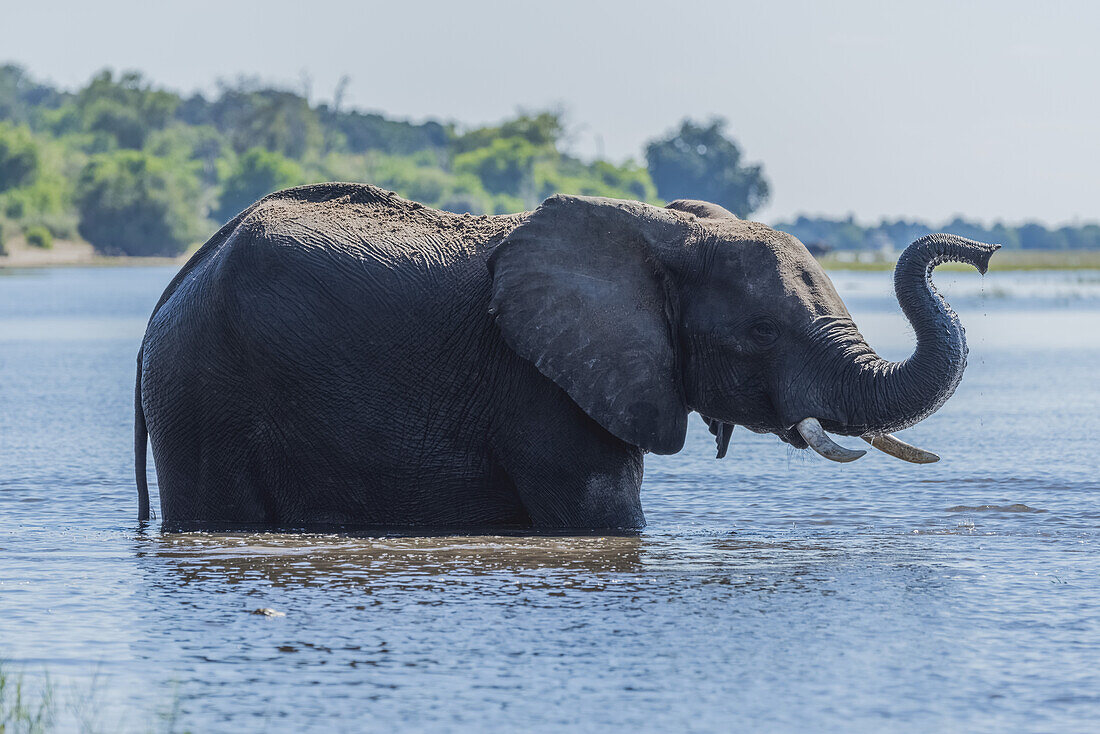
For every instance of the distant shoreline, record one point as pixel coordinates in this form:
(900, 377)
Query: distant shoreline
(75, 254)
(1003, 260)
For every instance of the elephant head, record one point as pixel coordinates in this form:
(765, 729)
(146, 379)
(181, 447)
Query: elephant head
(643, 314)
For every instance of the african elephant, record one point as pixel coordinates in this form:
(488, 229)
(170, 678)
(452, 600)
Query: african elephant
(337, 355)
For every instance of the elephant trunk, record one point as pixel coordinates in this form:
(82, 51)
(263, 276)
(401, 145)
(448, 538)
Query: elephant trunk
(876, 396)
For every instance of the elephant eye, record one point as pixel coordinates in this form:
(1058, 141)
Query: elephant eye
(764, 332)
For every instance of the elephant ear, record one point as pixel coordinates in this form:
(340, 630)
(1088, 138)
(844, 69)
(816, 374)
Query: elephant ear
(701, 209)
(578, 292)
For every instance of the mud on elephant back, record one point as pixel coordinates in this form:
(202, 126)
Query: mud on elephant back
(337, 356)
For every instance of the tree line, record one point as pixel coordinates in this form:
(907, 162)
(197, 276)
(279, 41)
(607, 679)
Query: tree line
(846, 234)
(136, 169)
(139, 170)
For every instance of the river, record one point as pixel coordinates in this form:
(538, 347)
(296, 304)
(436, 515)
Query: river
(772, 590)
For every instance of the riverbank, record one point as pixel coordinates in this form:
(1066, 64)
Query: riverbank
(73, 253)
(67, 253)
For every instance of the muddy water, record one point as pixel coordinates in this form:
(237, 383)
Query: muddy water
(771, 590)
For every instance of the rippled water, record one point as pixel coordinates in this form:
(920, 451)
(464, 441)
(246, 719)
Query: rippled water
(772, 590)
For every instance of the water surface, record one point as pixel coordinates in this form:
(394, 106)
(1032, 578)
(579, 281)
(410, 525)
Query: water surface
(772, 590)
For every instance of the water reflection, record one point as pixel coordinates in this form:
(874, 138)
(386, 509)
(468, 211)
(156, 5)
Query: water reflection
(200, 563)
(309, 560)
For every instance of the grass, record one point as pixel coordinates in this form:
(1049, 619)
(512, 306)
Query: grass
(1003, 260)
(21, 711)
(26, 709)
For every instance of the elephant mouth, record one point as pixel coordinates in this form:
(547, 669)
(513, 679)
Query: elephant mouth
(786, 435)
(721, 430)
(792, 437)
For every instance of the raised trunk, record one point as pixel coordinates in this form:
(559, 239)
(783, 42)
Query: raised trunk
(879, 396)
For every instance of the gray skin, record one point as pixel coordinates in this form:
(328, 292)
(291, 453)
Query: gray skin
(339, 356)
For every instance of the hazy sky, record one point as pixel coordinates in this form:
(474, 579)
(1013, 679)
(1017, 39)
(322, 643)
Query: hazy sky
(990, 109)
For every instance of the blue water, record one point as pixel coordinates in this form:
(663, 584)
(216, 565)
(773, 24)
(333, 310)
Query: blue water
(771, 591)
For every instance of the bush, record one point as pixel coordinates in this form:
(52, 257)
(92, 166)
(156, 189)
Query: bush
(257, 173)
(46, 196)
(60, 225)
(133, 203)
(39, 236)
(505, 166)
(19, 157)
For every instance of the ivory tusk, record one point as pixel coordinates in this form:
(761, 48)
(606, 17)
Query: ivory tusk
(810, 430)
(894, 446)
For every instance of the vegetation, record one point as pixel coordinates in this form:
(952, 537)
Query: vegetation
(700, 162)
(27, 708)
(133, 203)
(21, 710)
(39, 236)
(139, 170)
(19, 162)
(1003, 260)
(255, 174)
(846, 234)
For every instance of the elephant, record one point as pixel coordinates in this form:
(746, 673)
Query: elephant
(337, 355)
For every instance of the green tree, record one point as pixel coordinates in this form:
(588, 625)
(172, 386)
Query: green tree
(630, 178)
(256, 174)
(201, 145)
(22, 99)
(1002, 234)
(419, 177)
(360, 131)
(1082, 237)
(518, 162)
(251, 116)
(112, 120)
(836, 234)
(35, 181)
(19, 157)
(48, 197)
(125, 110)
(540, 130)
(133, 203)
(700, 162)
(561, 174)
(505, 166)
(1035, 236)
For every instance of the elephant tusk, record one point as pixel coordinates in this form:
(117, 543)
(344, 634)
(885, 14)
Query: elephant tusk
(810, 430)
(894, 446)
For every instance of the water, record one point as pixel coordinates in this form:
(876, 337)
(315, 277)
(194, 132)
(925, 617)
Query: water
(771, 590)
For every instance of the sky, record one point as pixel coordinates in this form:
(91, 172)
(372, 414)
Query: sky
(877, 109)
